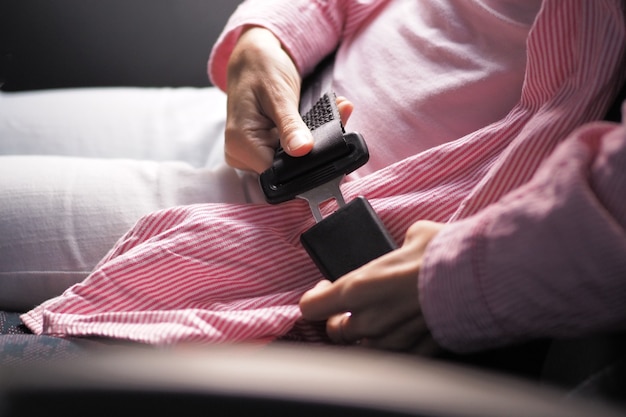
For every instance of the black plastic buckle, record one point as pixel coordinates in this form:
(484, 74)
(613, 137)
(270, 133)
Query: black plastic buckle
(347, 239)
(289, 177)
(334, 154)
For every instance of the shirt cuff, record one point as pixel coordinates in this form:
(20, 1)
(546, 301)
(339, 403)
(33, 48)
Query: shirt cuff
(451, 296)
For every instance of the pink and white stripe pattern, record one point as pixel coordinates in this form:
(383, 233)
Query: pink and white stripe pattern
(219, 273)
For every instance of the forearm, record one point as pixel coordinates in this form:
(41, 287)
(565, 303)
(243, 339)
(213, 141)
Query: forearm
(548, 260)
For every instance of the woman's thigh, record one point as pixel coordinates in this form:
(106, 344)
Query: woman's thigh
(60, 215)
(79, 167)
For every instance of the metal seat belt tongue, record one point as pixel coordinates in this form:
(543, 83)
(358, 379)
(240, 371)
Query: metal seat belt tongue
(316, 196)
(352, 235)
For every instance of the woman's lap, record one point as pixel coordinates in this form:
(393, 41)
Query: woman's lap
(67, 200)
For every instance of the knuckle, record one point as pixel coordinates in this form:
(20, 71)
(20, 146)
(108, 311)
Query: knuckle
(417, 227)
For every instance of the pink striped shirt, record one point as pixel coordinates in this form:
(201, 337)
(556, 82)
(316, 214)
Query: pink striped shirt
(420, 73)
(530, 249)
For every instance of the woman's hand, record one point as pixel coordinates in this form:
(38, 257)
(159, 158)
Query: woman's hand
(263, 94)
(263, 91)
(377, 305)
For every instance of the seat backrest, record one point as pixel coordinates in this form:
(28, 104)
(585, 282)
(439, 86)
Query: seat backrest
(92, 43)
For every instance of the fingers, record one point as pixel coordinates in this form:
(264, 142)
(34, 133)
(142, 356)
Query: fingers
(350, 328)
(249, 149)
(396, 330)
(404, 336)
(345, 108)
(254, 149)
(411, 335)
(338, 329)
(388, 282)
(377, 305)
(321, 302)
(263, 88)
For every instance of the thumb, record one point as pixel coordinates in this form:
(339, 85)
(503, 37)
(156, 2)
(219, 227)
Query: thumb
(298, 142)
(295, 137)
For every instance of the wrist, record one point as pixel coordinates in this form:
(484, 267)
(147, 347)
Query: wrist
(253, 43)
(257, 35)
(258, 51)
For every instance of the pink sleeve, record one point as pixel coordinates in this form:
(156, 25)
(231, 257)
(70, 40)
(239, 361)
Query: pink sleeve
(308, 30)
(547, 260)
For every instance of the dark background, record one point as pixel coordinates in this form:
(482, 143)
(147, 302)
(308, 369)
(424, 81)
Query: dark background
(81, 43)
